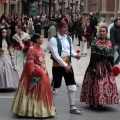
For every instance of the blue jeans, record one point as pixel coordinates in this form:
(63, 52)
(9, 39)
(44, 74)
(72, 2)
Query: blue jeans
(117, 60)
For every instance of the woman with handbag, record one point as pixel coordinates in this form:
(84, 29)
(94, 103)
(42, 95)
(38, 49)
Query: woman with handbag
(99, 85)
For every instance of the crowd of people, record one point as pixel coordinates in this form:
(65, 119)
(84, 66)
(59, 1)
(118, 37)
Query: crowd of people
(23, 66)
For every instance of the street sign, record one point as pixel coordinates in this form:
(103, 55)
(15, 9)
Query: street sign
(33, 10)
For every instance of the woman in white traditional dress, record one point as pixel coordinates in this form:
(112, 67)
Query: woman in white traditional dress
(8, 75)
(21, 44)
(30, 26)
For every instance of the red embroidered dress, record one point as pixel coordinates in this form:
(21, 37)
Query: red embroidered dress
(99, 85)
(36, 101)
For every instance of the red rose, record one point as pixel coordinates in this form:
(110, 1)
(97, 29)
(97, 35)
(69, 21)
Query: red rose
(99, 44)
(78, 51)
(108, 45)
(37, 73)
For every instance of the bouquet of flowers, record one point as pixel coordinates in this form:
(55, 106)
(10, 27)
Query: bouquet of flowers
(116, 71)
(36, 75)
(78, 52)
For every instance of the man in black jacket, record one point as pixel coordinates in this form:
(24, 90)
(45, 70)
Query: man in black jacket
(115, 39)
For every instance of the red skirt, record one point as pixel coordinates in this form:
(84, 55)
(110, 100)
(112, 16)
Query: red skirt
(99, 88)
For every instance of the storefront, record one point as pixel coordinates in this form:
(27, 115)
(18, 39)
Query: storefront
(4, 7)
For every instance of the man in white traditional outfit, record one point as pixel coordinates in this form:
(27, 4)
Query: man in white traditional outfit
(62, 50)
(21, 44)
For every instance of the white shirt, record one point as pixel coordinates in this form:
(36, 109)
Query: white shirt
(4, 44)
(109, 27)
(65, 49)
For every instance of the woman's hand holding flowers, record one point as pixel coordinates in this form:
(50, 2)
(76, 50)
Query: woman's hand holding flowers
(36, 76)
(78, 54)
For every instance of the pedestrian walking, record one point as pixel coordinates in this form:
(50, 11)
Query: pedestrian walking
(21, 44)
(30, 26)
(110, 26)
(51, 32)
(8, 75)
(115, 39)
(99, 85)
(34, 94)
(37, 24)
(71, 29)
(3, 23)
(88, 35)
(62, 50)
(82, 30)
(46, 26)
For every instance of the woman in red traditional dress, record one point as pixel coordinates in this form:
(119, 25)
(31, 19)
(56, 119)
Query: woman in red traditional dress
(34, 96)
(99, 85)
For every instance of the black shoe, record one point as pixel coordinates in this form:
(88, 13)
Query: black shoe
(91, 106)
(100, 107)
(78, 45)
(56, 111)
(76, 111)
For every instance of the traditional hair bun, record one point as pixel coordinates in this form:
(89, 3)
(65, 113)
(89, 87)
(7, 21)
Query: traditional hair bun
(33, 39)
(35, 36)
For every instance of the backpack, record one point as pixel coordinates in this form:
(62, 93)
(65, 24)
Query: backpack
(59, 46)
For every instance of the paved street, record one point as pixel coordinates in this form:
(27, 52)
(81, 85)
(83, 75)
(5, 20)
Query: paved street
(62, 104)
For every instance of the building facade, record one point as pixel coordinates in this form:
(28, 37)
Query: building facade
(10, 6)
(39, 6)
(15, 7)
(35, 7)
(4, 6)
(102, 8)
(67, 6)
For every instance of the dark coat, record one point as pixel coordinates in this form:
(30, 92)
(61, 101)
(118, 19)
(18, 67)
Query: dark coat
(115, 35)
